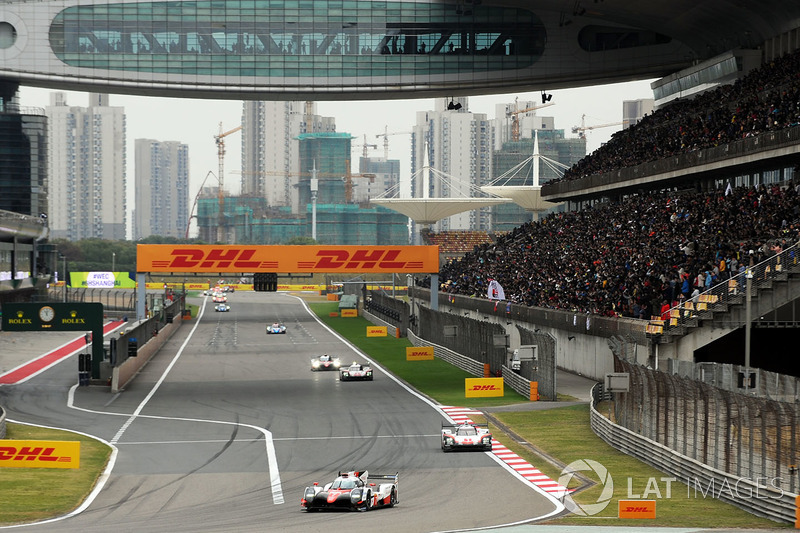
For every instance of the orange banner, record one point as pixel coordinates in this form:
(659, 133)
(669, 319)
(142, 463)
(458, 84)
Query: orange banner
(419, 353)
(40, 454)
(284, 258)
(483, 387)
(637, 508)
(376, 331)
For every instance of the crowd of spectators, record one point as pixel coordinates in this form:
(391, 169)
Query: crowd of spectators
(632, 257)
(767, 99)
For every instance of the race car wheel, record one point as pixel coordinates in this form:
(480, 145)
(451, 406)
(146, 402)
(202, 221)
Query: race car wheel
(368, 505)
(393, 498)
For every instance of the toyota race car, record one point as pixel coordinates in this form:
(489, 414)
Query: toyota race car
(222, 307)
(355, 371)
(355, 491)
(466, 436)
(325, 362)
(275, 328)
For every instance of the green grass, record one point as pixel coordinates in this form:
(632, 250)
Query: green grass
(31, 494)
(437, 379)
(560, 436)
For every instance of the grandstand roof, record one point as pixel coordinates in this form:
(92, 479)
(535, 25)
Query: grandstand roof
(528, 197)
(431, 210)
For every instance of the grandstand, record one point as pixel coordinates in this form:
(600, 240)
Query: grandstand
(453, 244)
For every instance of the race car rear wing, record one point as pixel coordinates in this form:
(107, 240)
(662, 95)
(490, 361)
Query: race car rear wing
(384, 477)
(453, 426)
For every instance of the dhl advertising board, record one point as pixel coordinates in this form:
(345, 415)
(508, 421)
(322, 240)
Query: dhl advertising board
(483, 387)
(419, 353)
(40, 454)
(324, 259)
(377, 331)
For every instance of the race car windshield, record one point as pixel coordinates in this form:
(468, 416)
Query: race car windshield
(344, 484)
(466, 431)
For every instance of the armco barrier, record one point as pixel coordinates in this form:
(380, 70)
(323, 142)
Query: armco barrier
(2, 423)
(758, 499)
(476, 368)
(517, 382)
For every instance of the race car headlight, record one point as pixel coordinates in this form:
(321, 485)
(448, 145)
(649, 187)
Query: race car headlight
(315, 364)
(337, 364)
(449, 440)
(355, 495)
(309, 494)
(487, 439)
(345, 374)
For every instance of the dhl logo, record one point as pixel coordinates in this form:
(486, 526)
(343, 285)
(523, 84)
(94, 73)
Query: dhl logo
(630, 509)
(342, 259)
(484, 387)
(40, 454)
(188, 258)
(637, 509)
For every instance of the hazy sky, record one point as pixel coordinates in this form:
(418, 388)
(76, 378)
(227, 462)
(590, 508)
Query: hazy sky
(195, 122)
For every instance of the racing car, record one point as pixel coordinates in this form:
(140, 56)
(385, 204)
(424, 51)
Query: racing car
(466, 436)
(325, 362)
(222, 307)
(355, 491)
(276, 328)
(356, 371)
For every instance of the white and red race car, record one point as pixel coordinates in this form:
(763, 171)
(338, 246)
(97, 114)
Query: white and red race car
(354, 372)
(356, 491)
(466, 436)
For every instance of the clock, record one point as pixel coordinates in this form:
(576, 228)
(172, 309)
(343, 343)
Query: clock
(47, 313)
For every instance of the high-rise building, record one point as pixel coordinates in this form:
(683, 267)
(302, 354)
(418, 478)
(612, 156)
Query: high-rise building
(518, 121)
(378, 175)
(162, 189)
(458, 143)
(87, 196)
(23, 161)
(271, 152)
(634, 110)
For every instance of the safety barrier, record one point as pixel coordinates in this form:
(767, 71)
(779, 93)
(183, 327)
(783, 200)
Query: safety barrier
(528, 389)
(471, 366)
(2, 423)
(701, 479)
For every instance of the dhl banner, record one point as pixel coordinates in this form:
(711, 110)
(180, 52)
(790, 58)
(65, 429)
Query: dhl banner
(40, 454)
(637, 508)
(376, 331)
(419, 353)
(349, 313)
(483, 387)
(285, 258)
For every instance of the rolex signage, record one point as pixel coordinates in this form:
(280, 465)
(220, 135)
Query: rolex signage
(53, 316)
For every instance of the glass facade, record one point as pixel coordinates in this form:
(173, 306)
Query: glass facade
(272, 39)
(23, 163)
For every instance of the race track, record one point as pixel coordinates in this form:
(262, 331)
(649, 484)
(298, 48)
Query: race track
(226, 426)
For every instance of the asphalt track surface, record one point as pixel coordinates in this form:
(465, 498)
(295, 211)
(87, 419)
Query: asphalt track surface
(227, 425)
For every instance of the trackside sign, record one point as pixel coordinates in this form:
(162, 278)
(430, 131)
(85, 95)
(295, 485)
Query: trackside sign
(637, 508)
(40, 454)
(419, 353)
(377, 331)
(254, 258)
(483, 387)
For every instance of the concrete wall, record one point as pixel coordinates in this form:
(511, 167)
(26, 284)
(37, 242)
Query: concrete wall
(123, 374)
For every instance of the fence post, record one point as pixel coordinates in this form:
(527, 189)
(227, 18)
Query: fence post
(486, 371)
(534, 391)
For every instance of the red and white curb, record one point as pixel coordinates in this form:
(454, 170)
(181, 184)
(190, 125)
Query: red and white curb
(517, 463)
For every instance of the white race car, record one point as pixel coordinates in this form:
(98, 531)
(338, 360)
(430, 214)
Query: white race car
(276, 328)
(222, 307)
(325, 362)
(466, 436)
(354, 372)
(357, 491)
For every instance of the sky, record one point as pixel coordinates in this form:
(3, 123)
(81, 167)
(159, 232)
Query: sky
(196, 122)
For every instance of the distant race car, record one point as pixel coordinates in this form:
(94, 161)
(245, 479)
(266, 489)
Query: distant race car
(325, 362)
(276, 328)
(219, 298)
(356, 371)
(356, 491)
(466, 436)
(222, 307)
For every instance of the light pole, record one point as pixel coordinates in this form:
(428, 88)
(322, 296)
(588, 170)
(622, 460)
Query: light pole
(748, 275)
(64, 274)
(113, 261)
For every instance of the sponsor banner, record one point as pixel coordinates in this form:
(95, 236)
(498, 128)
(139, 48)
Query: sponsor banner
(285, 258)
(102, 280)
(483, 387)
(375, 331)
(40, 454)
(419, 353)
(349, 313)
(637, 508)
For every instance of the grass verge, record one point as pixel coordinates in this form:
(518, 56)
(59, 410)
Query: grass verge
(33, 494)
(560, 435)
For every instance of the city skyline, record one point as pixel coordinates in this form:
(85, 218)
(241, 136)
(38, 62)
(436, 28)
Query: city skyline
(196, 122)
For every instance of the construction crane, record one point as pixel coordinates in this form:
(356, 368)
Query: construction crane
(366, 146)
(581, 130)
(385, 136)
(220, 140)
(515, 117)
